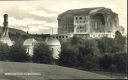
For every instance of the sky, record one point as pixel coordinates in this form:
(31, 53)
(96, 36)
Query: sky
(40, 16)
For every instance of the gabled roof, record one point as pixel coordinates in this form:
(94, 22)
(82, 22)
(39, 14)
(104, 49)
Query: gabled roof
(86, 11)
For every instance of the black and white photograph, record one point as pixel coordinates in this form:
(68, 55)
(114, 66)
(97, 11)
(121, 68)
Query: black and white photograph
(63, 39)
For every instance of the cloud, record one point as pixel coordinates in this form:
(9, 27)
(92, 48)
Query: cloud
(41, 15)
(17, 0)
(31, 25)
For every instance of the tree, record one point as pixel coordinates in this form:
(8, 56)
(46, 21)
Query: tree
(89, 62)
(18, 53)
(121, 61)
(120, 41)
(112, 69)
(89, 47)
(75, 40)
(88, 54)
(4, 51)
(108, 45)
(118, 36)
(42, 54)
(69, 56)
(79, 53)
(105, 62)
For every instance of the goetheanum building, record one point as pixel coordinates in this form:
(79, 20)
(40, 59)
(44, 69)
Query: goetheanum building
(92, 22)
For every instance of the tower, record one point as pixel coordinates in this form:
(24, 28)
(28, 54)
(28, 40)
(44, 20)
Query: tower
(5, 36)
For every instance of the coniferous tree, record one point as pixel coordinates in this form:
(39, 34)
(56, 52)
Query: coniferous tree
(42, 54)
(18, 53)
(4, 51)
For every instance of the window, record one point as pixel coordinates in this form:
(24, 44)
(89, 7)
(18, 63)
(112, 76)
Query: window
(59, 36)
(80, 17)
(80, 27)
(76, 18)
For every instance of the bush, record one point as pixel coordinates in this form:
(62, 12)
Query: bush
(69, 56)
(18, 53)
(80, 53)
(121, 61)
(4, 51)
(113, 68)
(120, 41)
(105, 62)
(89, 62)
(42, 54)
(91, 54)
(108, 45)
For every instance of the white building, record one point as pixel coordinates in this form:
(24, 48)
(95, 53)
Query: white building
(55, 46)
(29, 44)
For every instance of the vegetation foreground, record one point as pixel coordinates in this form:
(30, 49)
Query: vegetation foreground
(46, 71)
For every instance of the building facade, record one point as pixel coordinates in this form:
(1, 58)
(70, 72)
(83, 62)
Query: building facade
(99, 22)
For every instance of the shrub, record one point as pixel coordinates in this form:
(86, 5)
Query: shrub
(4, 51)
(42, 54)
(121, 61)
(80, 53)
(18, 53)
(69, 57)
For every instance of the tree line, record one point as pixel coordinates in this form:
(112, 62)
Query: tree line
(91, 54)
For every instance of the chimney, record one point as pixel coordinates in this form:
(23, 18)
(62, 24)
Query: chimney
(5, 20)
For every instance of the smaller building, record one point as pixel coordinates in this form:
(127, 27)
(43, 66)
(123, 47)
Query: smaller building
(29, 45)
(54, 45)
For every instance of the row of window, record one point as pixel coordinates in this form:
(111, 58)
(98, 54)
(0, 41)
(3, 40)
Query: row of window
(79, 31)
(80, 21)
(78, 18)
(81, 27)
(102, 35)
(60, 37)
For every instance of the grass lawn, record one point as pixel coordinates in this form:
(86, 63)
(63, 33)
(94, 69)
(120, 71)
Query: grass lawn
(114, 75)
(46, 72)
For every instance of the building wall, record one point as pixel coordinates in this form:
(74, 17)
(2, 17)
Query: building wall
(80, 21)
(61, 37)
(89, 23)
(95, 35)
(80, 24)
(66, 24)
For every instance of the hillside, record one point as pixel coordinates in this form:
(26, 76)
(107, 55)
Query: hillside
(12, 30)
(46, 71)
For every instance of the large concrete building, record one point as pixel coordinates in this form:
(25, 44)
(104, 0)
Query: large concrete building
(94, 22)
